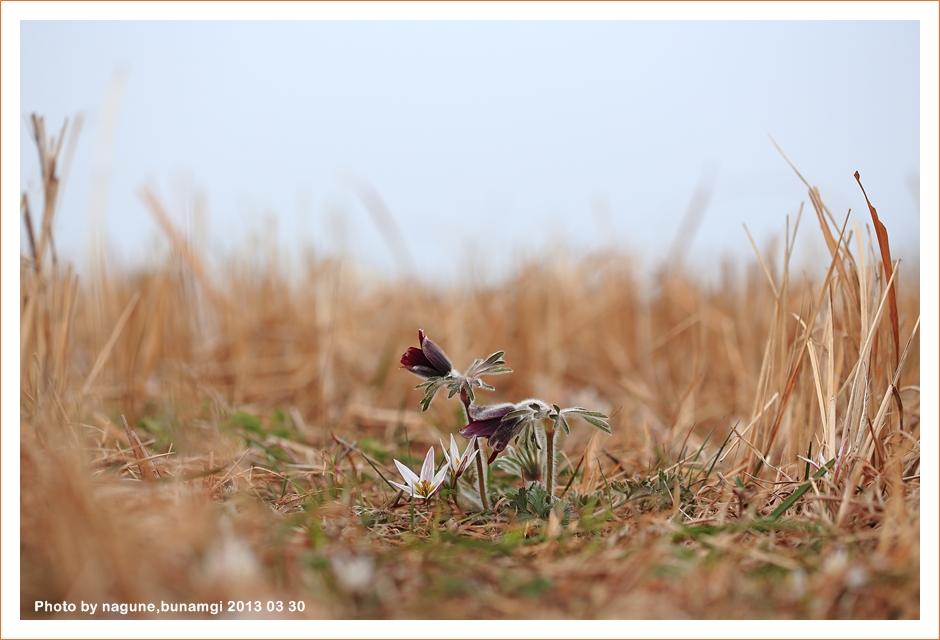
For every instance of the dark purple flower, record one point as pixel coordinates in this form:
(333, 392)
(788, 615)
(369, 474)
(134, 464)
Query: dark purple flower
(426, 361)
(489, 421)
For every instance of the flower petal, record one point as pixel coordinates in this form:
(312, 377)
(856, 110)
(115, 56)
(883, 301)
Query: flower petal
(480, 428)
(401, 486)
(414, 356)
(439, 478)
(507, 430)
(407, 474)
(447, 457)
(469, 455)
(417, 363)
(435, 355)
(471, 452)
(490, 411)
(424, 372)
(427, 469)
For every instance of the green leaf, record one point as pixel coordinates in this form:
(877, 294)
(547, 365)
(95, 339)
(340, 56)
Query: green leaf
(809, 456)
(564, 423)
(495, 372)
(796, 495)
(597, 422)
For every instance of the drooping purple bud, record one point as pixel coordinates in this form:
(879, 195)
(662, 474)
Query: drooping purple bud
(428, 361)
(508, 429)
(435, 354)
(417, 363)
(490, 411)
(490, 421)
(481, 429)
(485, 420)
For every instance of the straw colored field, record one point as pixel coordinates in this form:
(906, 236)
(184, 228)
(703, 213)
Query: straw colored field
(763, 461)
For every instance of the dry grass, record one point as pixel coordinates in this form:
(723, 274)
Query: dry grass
(261, 405)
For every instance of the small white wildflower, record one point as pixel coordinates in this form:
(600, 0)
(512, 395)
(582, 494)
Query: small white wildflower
(425, 486)
(455, 462)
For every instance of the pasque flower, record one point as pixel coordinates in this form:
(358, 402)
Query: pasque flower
(426, 361)
(431, 363)
(455, 462)
(539, 427)
(493, 422)
(426, 485)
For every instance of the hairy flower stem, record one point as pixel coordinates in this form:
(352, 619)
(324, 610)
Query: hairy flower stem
(550, 462)
(481, 477)
(481, 466)
(465, 401)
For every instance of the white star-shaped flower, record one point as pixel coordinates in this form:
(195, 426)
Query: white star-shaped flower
(455, 462)
(425, 486)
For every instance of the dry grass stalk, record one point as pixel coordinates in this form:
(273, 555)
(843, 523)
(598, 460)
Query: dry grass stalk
(142, 458)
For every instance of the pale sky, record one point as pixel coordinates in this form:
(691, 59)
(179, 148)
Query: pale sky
(491, 139)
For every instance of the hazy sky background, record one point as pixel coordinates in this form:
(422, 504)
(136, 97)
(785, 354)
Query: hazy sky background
(485, 139)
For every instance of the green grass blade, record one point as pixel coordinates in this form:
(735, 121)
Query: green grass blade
(796, 495)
